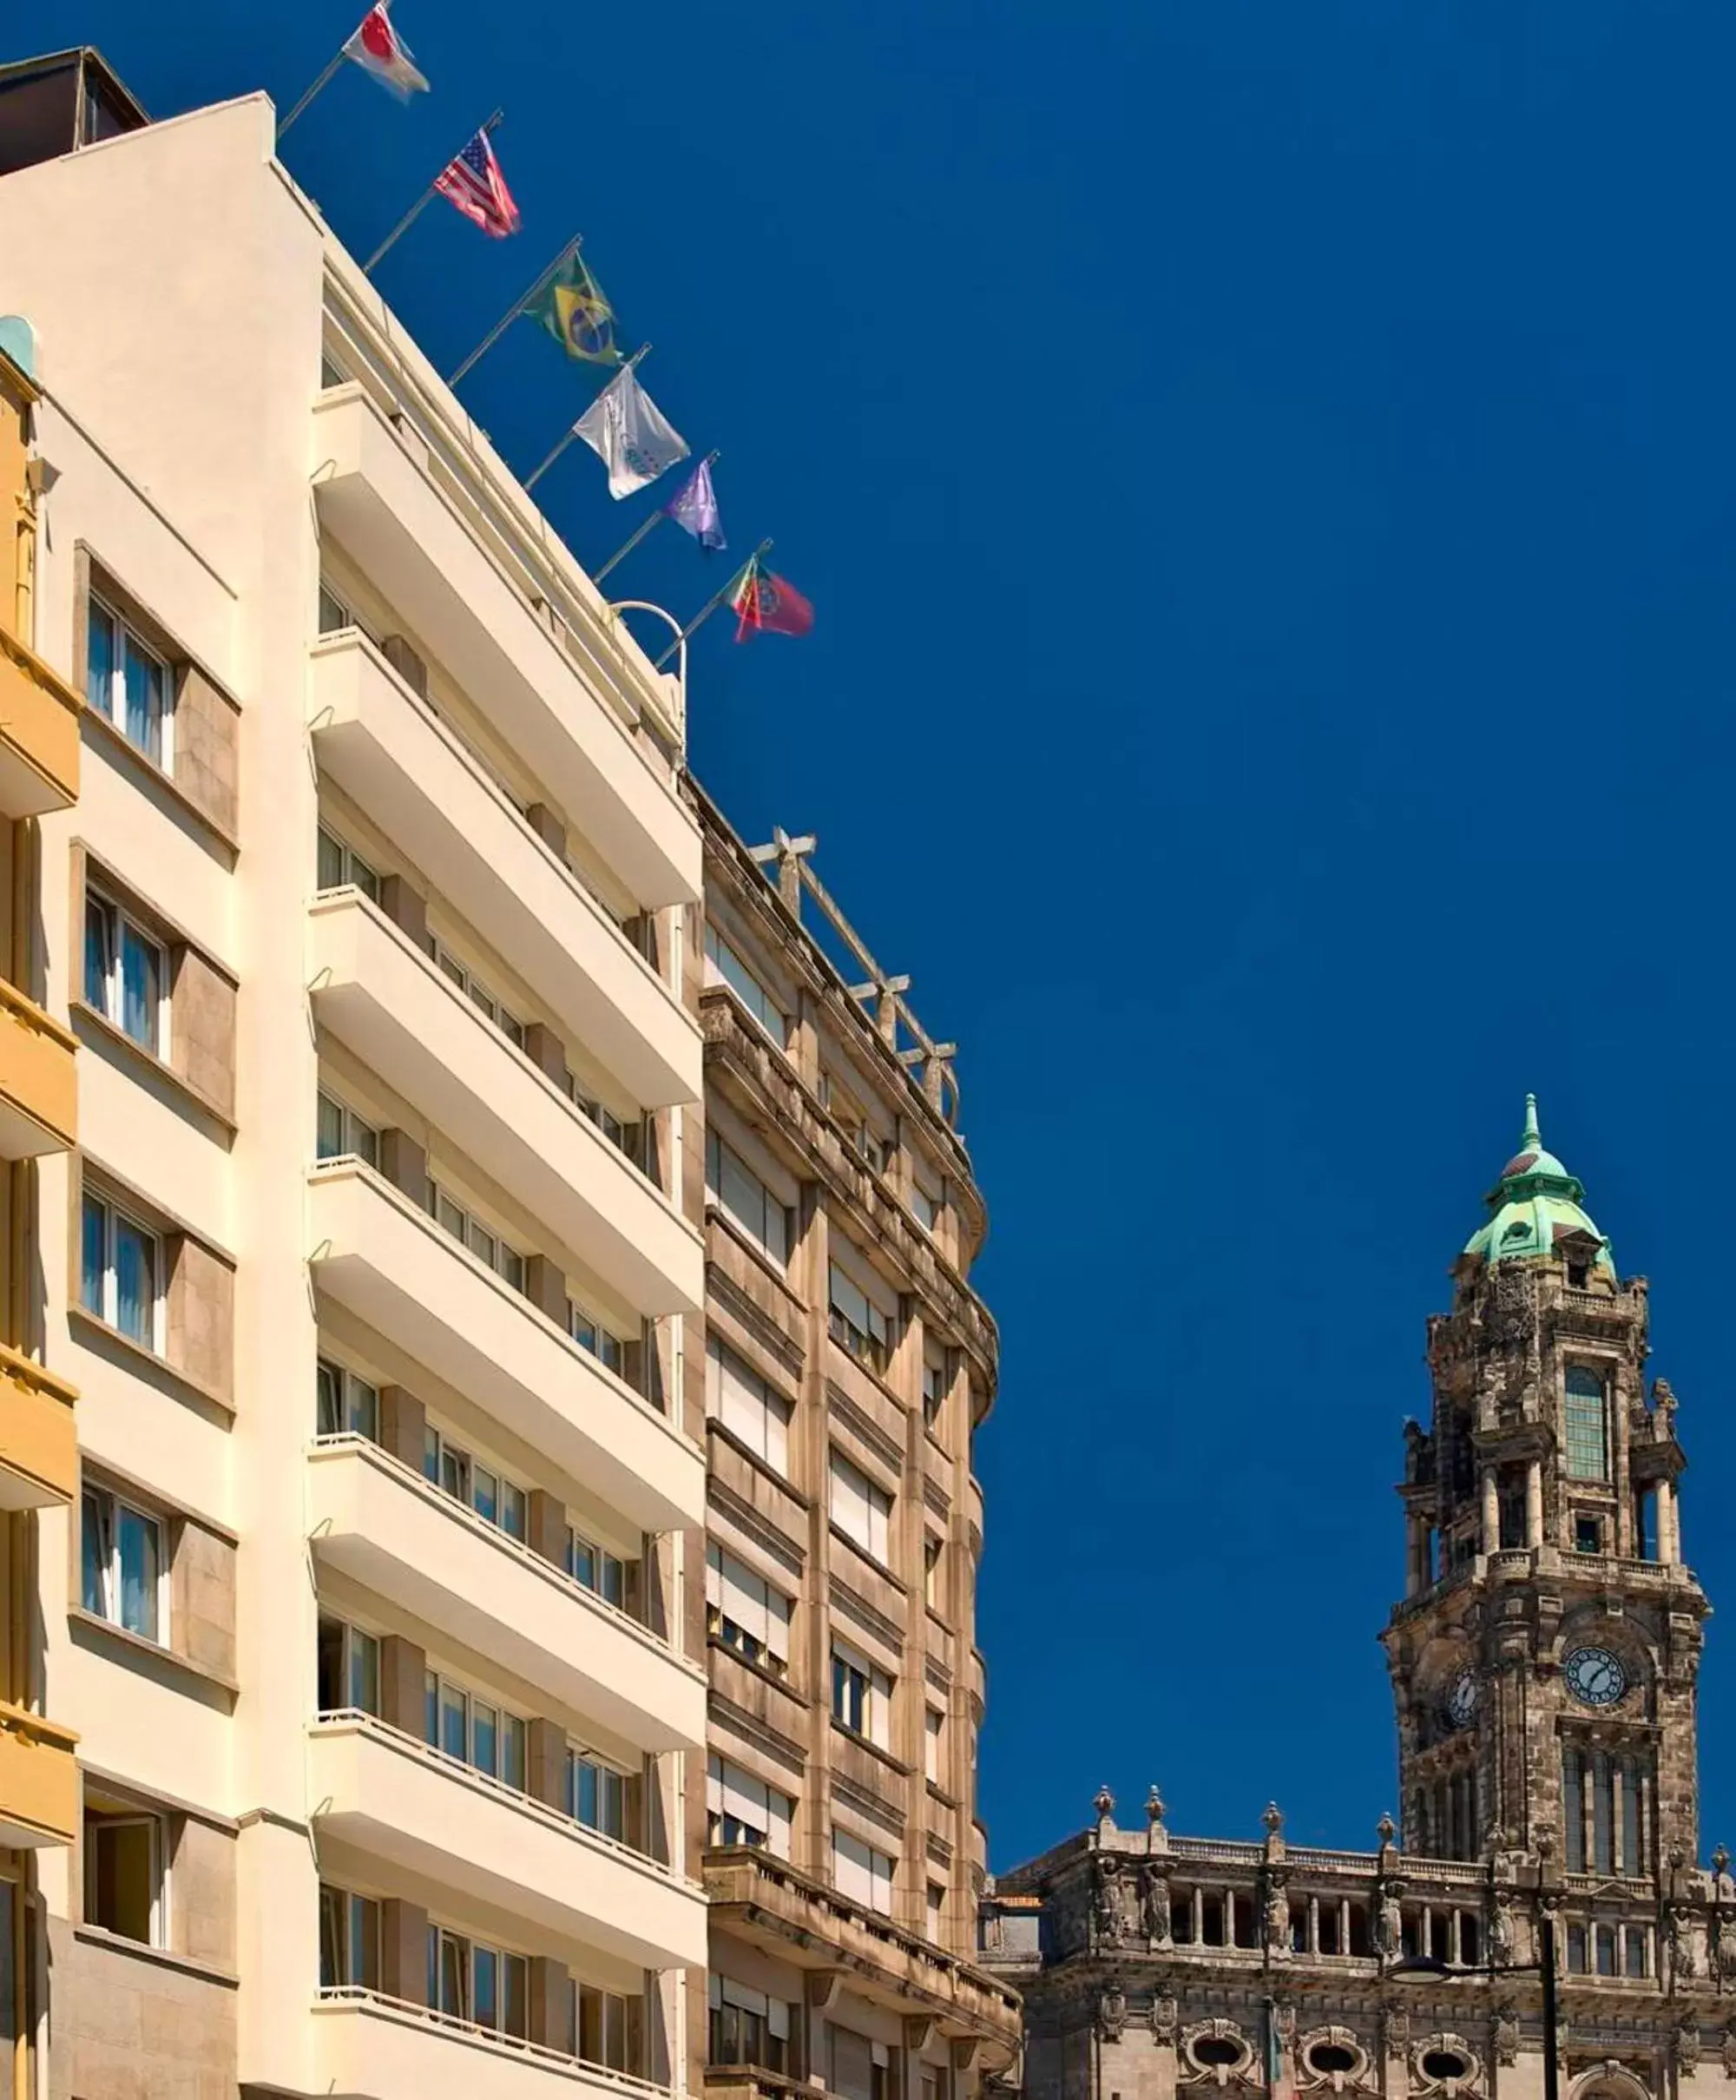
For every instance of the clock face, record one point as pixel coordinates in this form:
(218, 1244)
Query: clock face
(1594, 1676)
(1460, 1703)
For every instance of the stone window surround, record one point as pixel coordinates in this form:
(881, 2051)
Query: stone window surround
(177, 1818)
(186, 1532)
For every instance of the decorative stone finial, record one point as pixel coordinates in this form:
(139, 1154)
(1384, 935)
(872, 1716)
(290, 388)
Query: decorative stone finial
(1386, 1830)
(1721, 1860)
(1273, 1819)
(1104, 1803)
(1533, 1139)
(1154, 1807)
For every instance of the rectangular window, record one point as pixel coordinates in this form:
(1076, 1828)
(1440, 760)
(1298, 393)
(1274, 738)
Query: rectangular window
(937, 1910)
(861, 1511)
(1634, 1963)
(339, 1133)
(123, 1569)
(738, 1397)
(861, 1697)
(126, 974)
(1588, 1435)
(747, 2026)
(606, 2027)
(481, 1985)
(596, 1794)
(628, 1138)
(746, 1200)
(125, 1874)
(488, 1246)
(593, 1338)
(347, 1669)
(725, 966)
(477, 993)
(455, 1472)
(348, 1405)
(120, 1272)
(341, 867)
(603, 1572)
(474, 1732)
(931, 1551)
(858, 1324)
(861, 1873)
(935, 1382)
(746, 1612)
(130, 684)
(743, 1810)
(925, 1208)
(934, 1725)
(349, 1940)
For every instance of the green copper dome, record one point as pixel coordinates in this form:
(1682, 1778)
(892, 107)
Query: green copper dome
(1536, 1204)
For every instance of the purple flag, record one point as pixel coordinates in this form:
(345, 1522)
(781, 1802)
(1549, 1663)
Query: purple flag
(693, 507)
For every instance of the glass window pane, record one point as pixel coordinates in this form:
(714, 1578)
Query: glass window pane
(330, 863)
(364, 879)
(485, 1494)
(453, 1218)
(512, 1751)
(99, 955)
(333, 1968)
(364, 1671)
(484, 1737)
(94, 1258)
(455, 1473)
(454, 1994)
(454, 1717)
(364, 1943)
(514, 2009)
(330, 1409)
(140, 986)
(513, 1518)
(144, 683)
(100, 660)
(430, 1455)
(135, 1282)
(138, 1541)
(487, 2005)
(431, 1709)
(364, 1408)
(95, 1551)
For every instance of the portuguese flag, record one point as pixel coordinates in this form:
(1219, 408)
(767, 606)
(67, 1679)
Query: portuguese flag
(767, 603)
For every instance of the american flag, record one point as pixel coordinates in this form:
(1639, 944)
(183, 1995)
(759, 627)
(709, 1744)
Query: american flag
(473, 182)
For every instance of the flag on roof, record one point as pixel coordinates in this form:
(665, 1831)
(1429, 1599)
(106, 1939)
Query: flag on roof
(630, 434)
(693, 507)
(765, 602)
(473, 182)
(376, 48)
(571, 306)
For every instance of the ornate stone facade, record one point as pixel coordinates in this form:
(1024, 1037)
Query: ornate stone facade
(1543, 1663)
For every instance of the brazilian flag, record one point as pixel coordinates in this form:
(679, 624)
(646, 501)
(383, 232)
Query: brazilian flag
(571, 306)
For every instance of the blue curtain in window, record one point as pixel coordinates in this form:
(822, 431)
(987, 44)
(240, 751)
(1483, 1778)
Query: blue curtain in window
(137, 1540)
(93, 1555)
(93, 1258)
(135, 1284)
(99, 680)
(99, 953)
(144, 701)
(140, 990)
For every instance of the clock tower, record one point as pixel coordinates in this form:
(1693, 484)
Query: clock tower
(1544, 1657)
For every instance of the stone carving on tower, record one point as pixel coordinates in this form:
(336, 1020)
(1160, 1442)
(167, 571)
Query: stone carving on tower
(1543, 1661)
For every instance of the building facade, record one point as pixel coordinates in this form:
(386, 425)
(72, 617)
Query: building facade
(848, 1366)
(1543, 1663)
(369, 1256)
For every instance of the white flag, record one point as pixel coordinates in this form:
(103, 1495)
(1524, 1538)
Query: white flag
(630, 434)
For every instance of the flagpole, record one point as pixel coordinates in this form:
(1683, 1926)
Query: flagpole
(319, 85)
(644, 350)
(650, 524)
(420, 205)
(712, 604)
(513, 312)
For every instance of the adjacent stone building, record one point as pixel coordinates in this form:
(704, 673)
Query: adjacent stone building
(1543, 1664)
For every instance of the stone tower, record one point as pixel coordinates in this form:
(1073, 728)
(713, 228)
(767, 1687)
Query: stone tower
(1544, 1657)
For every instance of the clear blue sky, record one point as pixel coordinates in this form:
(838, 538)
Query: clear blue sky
(1265, 472)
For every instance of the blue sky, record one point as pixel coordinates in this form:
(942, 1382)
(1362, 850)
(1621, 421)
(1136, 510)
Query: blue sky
(1264, 475)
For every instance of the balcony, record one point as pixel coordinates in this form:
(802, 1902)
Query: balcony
(760, 1900)
(376, 1252)
(39, 1786)
(394, 758)
(380, 994)
(389, 1530)
(365, 2044)
(38, 1436)
(38, 1079)
(378, 499)
(395, 1800)
(39, 735)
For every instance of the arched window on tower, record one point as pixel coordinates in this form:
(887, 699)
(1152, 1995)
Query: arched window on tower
(1587, 1424)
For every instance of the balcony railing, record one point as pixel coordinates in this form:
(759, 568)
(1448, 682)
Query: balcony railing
(427, 2020)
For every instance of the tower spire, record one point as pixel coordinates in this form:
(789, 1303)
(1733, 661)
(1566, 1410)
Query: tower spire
(1532, 1140)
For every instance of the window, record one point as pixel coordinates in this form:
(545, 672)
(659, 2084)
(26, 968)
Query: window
(858, 1324)
(455, 1472)
(335, 617)
(935, 1382)
(489, 1248)
(725, 966)
(129, 683)
(606, 2028)
(746, 1612)
(349, 1941)
(861, 1873)
(348, 1669)
(1587, 1535)
(473, 1732)
(626, 1137)
(747, 2026)
(934, 1728)
(1587, 1441)
(1602, 1808)
(936, 1910)
(605, 1573)
(745, 1198)
(932, 1552)
(348, 1405)
(341, 1133)
(126, 974)
(123, 1569)
(124, 1873)
(925, 1208)
(341, 867)
(594, 1338)
(483, 1985)
(1634, 1960)
(861, 1511)
(743, 1810)
(596, 1794)
(120, 1273)
(477, 993)
(738, 1397)
(861, 1697)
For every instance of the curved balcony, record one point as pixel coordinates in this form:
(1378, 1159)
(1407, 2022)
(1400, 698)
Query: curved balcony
(376, 991)
(397, 1535)
(393, 1798)
(376, 1252)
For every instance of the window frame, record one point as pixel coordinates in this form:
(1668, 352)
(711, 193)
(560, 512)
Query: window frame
(107, 1507)
(439, 1448)
(115, 1217)
(114, 704)
(346, 1384)
(501, 1252)
(354, 872)
(345, 1911)
(110, 999)
(93, 1823)
(720, 1156)
(436, 1686)
(751, 995)
(358, 1138)
(871, 1345)
(609, 1779)
(577, 1543)
(596, 1338)
(771, 1445)
(355, 1643)
(875, 1539)
(1576, 1435)
(441, 1939)
(861, 1686)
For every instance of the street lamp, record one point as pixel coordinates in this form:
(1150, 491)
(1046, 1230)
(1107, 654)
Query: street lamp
(1425, 1968)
